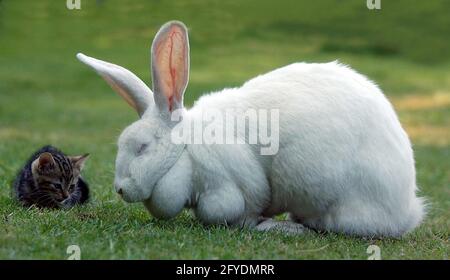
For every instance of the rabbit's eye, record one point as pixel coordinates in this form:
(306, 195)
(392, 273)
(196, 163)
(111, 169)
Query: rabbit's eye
(141, 149)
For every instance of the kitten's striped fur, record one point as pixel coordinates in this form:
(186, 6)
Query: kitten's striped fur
(51, 179)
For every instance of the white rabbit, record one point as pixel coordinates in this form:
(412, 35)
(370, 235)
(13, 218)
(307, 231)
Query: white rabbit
(344, 162)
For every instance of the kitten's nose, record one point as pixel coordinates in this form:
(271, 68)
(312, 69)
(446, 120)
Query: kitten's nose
(119, 191)
(65, 195)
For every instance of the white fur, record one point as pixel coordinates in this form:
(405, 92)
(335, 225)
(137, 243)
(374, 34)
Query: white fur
(344, 163)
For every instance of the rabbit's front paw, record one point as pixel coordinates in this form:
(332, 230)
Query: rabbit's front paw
(223, 205)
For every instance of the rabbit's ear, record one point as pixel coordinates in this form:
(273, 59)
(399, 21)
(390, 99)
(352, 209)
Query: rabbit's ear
(170, 66)
(125, 83)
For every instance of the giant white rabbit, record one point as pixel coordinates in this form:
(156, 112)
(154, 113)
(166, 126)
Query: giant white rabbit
(344, 162)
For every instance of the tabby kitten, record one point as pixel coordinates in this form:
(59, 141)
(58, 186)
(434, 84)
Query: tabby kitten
(50, 179)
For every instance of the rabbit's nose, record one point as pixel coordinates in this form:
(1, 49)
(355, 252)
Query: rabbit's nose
(119, 191)
(118, 188)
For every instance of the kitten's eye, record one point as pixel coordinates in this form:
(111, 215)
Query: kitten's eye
(57, 186)
(141, 149)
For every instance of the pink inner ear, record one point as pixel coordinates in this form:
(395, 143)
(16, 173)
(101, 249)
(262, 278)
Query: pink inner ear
(171, 64)
(45, 160)
(120, 91)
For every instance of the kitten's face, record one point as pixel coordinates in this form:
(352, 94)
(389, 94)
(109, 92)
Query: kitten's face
(56, 177)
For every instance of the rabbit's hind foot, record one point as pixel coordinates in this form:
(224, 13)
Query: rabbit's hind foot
(288, 227)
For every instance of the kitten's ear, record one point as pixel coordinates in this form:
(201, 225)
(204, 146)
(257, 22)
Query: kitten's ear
(78, 161)
(45, 161)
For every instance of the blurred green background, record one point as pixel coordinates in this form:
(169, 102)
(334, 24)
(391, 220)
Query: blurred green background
(47, 96)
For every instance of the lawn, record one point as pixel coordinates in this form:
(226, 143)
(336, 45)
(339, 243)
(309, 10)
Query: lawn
(48, 97)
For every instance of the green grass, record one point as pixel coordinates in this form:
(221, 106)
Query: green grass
(47, 96)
